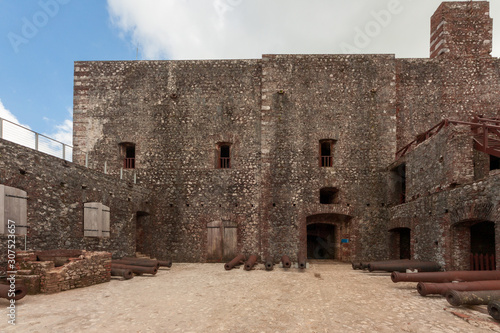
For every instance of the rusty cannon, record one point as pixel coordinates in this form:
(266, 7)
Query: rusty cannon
(136, 269)
(429, 288)
(285, 261)
(269, 263)
(421, 266)
(165, 263)
(125, 273)
(365, 264)
(138, 262)
(250, 262)
(14, 291)
(494, 309)
(478, 297)
(301, 260)
(450, 276)
(357, 265)
(238, 260)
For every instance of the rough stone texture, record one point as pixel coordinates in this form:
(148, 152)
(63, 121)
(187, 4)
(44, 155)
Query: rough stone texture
(87, 269)
(444, 196)
(273, 112)
(57, 191)
(462, 28)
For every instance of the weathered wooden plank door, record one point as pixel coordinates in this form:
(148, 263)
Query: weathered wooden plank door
(230, 243)
(214, 241)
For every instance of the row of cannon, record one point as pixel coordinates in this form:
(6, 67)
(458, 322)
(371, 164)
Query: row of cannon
(128, 266)
(268, 262)
(458, 287)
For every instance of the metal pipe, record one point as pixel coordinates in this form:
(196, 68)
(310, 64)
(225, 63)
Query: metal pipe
(449, 276)
(136, 269)
(125, 273)
(236, 261)
(269, 263)
(494, 309)
(301, 260)
(285, 260)
(421, 266)
(428, 288)
(479, 297)
(251, 262)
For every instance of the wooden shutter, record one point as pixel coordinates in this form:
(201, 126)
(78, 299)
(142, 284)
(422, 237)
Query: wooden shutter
(106, 232)
(92, 219)
(14, 207)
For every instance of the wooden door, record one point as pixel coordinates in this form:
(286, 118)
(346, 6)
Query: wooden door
(222, 241)
(230, 244)
(214, 241)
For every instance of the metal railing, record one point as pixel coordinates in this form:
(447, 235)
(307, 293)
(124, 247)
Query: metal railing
(129, 163)
(224, 163)
(482, 262)
(326, 161)
(25, 137)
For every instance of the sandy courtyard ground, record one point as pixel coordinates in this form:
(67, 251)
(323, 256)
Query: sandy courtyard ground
(206, 298)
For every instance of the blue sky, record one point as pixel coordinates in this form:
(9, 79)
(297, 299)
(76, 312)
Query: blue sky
(41, 39)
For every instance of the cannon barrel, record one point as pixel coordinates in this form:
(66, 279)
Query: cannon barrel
(269, 263)
(494, 309)
(366, 264)
(136, 269)
(302, 260)
(449, 276)
(125, 273)
(138, 262)
(236, 261)
(20, 291)
(429, 288)
(357, 265)
(165, 263)
(421, 266)
(250, 262)
(285, 260)
(478, 297)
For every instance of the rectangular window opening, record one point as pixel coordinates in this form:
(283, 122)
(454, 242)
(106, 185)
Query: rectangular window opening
(494, 163)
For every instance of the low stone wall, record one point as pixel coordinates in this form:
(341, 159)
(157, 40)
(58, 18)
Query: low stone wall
(61, 270)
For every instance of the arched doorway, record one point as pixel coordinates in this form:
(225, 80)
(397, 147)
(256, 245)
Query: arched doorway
(327, 236)
(321, 241)
(474, 245)
(400, 243)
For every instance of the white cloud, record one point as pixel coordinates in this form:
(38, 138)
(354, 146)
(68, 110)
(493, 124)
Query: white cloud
(222, 29)
(63, 132)
(21, 134)
(7, 115)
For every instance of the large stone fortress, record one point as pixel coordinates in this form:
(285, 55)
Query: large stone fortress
(292, 153)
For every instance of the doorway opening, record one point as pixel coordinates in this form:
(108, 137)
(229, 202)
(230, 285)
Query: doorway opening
(401, 243)
(142, 221)
(321, 241)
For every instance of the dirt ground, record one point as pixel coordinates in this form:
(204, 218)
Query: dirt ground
(327, 297)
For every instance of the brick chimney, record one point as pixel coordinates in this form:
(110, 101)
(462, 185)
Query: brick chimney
(462, 29)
